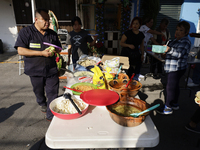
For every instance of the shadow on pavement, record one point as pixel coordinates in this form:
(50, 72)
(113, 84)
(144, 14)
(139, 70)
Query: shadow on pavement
(8, 112)
(41, 145)
(7, 55)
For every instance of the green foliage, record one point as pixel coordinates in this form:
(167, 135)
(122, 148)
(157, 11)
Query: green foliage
(125, 16)
(99, 19)
(151, 9)
(98, 48)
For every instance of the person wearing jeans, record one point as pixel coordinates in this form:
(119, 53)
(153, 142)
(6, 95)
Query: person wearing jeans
(175, 66)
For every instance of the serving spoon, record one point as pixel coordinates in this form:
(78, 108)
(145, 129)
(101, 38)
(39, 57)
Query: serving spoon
(72, 89)
(130, 79)
(116, 77)
(68, 96)
(135, 115)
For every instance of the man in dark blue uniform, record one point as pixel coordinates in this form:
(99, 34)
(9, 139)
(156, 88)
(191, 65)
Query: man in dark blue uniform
(39, 65)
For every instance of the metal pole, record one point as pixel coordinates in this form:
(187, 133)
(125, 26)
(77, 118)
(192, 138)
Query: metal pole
(76, 4)
(33, 9)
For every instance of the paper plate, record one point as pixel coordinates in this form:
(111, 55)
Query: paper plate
(52, 45)
(99, 97)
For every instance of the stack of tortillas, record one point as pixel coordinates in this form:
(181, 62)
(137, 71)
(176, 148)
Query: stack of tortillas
(197, 98)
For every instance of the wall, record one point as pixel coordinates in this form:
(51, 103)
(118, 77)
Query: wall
(8, 29)
(188, 13)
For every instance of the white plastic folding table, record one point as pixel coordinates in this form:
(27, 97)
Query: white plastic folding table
(96, 129)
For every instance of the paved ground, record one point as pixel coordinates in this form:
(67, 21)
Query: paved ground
(23, 127)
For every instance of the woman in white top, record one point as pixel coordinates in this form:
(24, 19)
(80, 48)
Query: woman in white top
(148, 32)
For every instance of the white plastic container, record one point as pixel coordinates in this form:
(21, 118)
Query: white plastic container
(158, 48)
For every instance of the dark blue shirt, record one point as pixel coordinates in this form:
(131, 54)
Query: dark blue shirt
(29, 37)
(79, 40)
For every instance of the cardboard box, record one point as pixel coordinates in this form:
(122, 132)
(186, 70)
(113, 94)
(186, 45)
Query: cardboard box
(123, 60)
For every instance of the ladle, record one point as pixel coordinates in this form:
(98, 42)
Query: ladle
(130, 79)
(73, 89)
(147, 110)
(68, 96)
(118, 72)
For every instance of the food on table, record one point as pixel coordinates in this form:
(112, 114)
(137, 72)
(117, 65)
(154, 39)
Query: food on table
(132, 85)
(87, 62)
(84, 87)
(124, 110)
(83, 73)
(198, 94)
(197, 98)
(66, 107)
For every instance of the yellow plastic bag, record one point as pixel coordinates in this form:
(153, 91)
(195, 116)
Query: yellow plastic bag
(108, 76)
(98, 78)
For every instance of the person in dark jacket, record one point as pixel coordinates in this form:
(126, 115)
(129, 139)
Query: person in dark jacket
(40, 65)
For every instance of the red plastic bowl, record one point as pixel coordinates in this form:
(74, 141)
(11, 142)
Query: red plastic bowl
(66, 116)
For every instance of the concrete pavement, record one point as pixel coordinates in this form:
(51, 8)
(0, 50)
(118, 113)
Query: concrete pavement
(23, 127)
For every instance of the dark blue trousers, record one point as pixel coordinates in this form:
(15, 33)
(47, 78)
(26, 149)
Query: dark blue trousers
(195, 118)
(172, 88)
(50, 85)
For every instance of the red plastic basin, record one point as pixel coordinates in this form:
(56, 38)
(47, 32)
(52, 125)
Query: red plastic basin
(66, 116)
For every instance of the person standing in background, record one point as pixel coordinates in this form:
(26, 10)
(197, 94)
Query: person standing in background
(162, 40)
(130, 41)
(148, 32)
(77, 41)
(196, 71)
(39, 63)
(175, 66)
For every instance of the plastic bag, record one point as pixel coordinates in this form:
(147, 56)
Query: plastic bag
(113, 64)
(98, 78)
(108, 76)
(58, 61)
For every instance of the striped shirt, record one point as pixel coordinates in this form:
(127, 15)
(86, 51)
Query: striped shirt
(176, 57)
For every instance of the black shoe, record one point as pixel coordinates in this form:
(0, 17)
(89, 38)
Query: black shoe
(43, 108)
(48, 119)
(175, 106)
(189, 128)
(157, 76)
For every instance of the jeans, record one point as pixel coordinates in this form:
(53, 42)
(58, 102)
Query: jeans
(172, 87)
(195, 118)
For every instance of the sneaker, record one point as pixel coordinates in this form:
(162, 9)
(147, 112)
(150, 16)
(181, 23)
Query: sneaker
(189, 128)
(175, 106)
(48, 118)
(43, 108)
(192, 84)
(156, 77)
(189, 80)
(165, 111)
